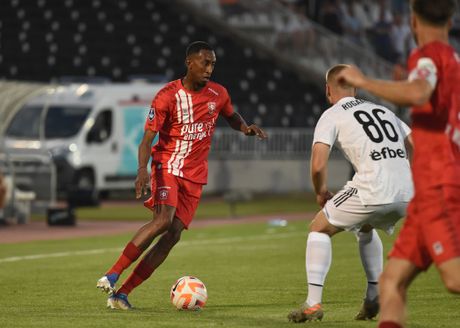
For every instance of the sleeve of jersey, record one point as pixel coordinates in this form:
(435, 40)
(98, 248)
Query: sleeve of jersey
(404, 128)
(227, 108)
(325, 131)
(425, 69)
(157, 114)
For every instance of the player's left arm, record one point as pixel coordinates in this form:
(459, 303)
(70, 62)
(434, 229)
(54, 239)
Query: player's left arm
(237, 122)
(318, 172)
(413, 92)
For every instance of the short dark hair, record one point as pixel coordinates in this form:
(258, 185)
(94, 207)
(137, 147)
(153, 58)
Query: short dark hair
(334, 70)
(196, 47)
(435, 13)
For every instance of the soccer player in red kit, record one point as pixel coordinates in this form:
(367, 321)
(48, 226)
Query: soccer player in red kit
(431, 232)
(184, 113)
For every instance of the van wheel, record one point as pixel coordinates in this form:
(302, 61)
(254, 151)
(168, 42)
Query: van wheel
(85, 180)
(84, 192)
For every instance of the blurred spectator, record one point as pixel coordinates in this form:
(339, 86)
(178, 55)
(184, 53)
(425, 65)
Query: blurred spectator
(2, 192)
(381, 38)
(361, 10)
(379, 11)
(295, 32)
(351, 24)
(330, 16)
(231, 7)
(401, 37)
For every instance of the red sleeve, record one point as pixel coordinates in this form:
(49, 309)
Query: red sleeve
(227, 107)
(158, 112)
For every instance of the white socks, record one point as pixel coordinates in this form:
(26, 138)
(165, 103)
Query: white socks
(318, 262)
(371, 251)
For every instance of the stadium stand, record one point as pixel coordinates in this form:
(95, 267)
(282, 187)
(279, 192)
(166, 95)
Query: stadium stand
(51, 40)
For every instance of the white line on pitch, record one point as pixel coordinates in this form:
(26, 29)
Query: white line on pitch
(181, 244)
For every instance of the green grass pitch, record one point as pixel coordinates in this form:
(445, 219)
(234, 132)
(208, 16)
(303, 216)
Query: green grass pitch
(255, 274)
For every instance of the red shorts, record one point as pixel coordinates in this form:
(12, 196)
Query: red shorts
(170, 190)
(431, 232)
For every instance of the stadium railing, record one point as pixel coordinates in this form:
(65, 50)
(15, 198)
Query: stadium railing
(282, 143)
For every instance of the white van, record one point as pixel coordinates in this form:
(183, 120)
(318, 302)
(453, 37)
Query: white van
(91, 132)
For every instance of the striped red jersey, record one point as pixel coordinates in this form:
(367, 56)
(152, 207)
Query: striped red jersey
(186, 121)
(436, 124)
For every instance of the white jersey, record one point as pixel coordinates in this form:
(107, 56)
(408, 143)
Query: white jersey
(372, 138)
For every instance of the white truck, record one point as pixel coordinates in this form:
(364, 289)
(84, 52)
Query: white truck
(90, 131)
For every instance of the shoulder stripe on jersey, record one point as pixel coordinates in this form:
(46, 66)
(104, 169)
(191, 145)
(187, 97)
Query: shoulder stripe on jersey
(179, 109)
(186, 106)
(190, 107)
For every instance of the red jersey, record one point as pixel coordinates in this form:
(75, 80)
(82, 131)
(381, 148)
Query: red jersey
(186, 121)
(436, 124)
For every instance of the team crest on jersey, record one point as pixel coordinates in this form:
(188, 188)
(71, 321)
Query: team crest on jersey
(151, 113)
(211, 107)
(163, 194)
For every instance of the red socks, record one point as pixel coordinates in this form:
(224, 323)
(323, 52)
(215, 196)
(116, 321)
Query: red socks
(130, 254)
(142, 272)
(389, 324)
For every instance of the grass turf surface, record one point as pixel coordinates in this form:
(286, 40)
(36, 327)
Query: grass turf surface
(208, 208)
(254, 274)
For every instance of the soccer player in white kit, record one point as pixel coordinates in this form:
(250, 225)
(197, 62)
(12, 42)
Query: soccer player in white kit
(378, 146)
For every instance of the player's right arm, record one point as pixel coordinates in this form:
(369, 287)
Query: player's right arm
(318, 172)
(142, 179)
(154, 122)
(413, 92)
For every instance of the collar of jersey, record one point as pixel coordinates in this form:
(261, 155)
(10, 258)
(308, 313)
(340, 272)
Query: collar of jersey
(344, 100)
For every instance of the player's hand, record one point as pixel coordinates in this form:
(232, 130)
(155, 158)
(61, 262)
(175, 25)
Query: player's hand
(254, 130)
(353, 76)
(142, 182)
(323, 197)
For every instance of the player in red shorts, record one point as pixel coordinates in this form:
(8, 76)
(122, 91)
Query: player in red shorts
(184, 113)
(431, 232)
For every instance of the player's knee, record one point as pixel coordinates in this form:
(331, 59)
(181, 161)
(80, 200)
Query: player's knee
(452, 284)
(387, 282)
(160, 224)
(175, 237)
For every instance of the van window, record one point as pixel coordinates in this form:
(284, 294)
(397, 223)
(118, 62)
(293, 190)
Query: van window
(102, 128)
(64, 121)
(26, 123)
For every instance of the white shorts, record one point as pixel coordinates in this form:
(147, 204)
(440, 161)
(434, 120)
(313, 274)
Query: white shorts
(345, 211)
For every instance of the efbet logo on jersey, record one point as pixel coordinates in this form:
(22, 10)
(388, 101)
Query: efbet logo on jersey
(387, 152)
(211, 107)
(152, 113)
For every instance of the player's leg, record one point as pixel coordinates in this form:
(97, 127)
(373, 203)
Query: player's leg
(318, 261)
(446, 245)
(188, 197)
(371, 253)
(154, 257)
(162, 218)
(394, 282)
(163, 203)
(450, 274)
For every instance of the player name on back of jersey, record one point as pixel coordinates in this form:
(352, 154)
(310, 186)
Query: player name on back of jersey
(352, 103)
